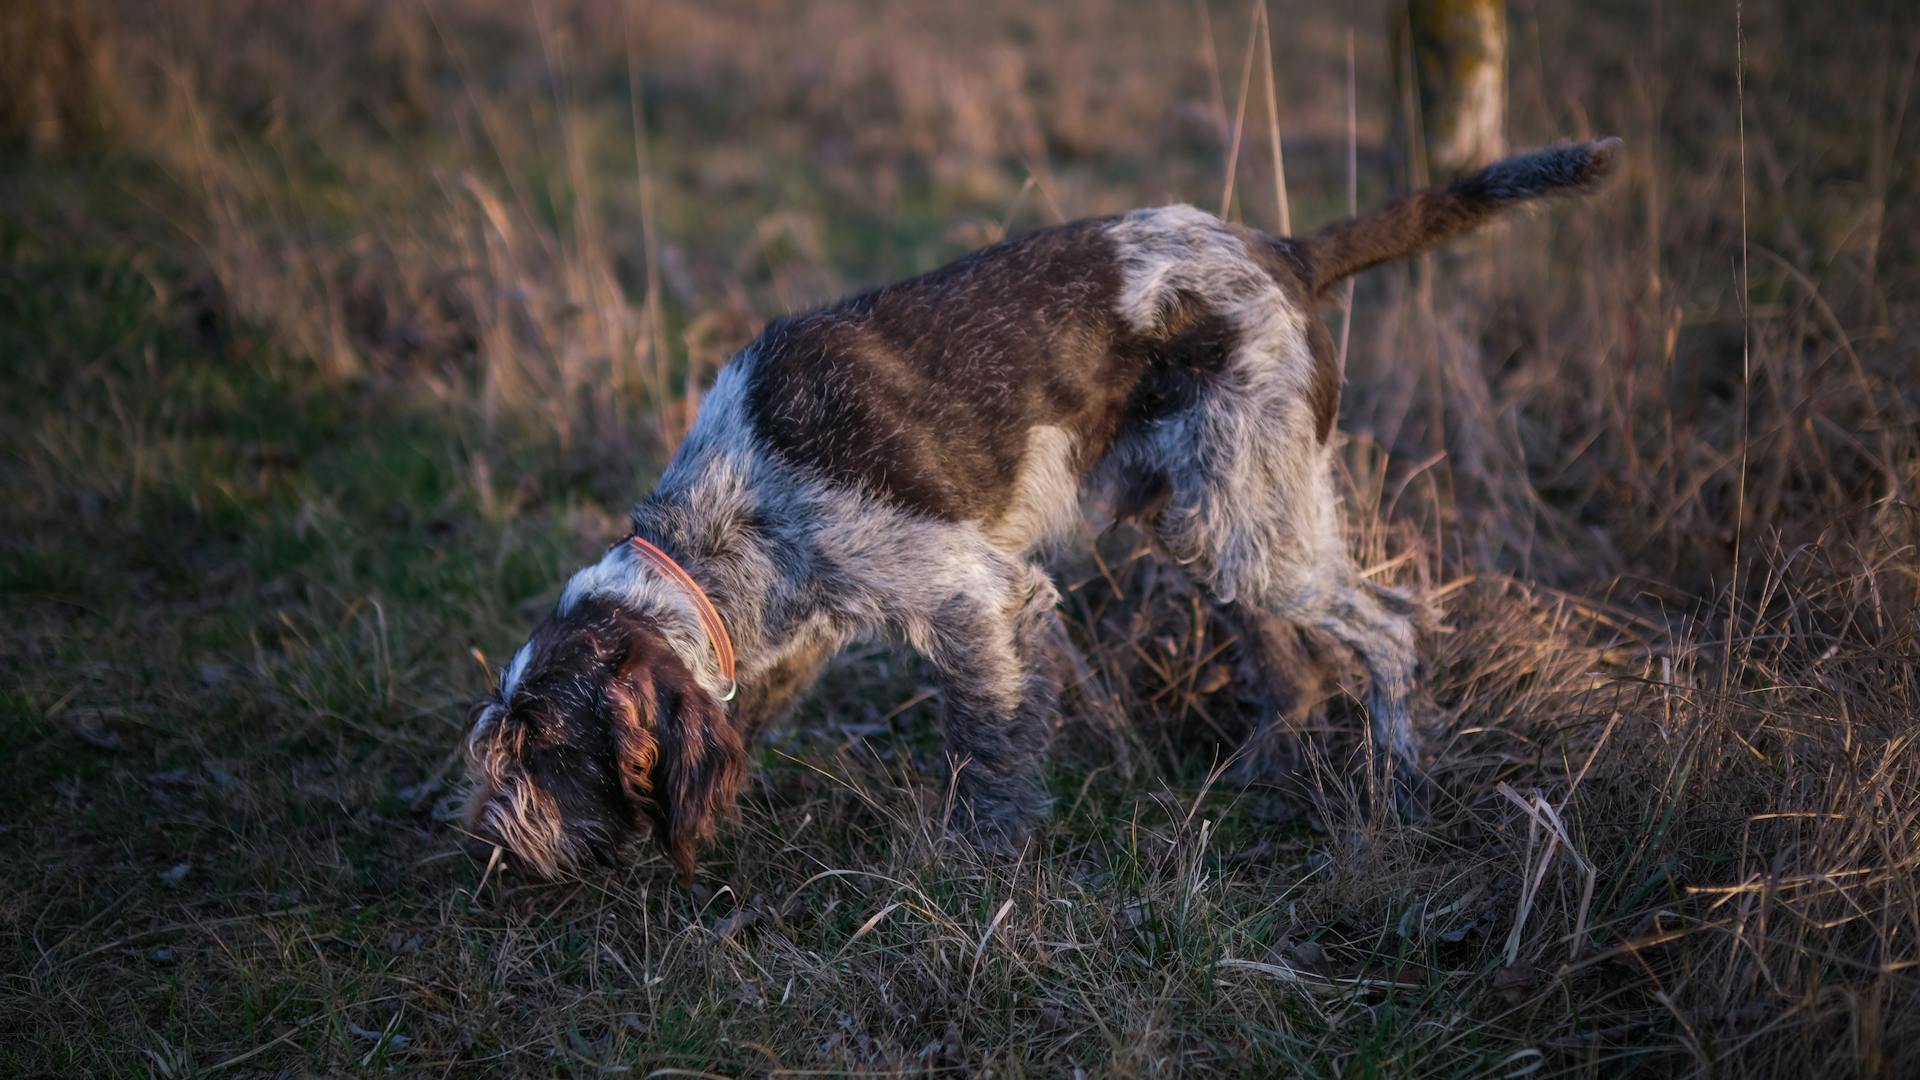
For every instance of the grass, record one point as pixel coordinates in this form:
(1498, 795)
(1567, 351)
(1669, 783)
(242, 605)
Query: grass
(335, 339)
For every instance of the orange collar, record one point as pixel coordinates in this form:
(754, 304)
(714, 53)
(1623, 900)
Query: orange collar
(710, 619)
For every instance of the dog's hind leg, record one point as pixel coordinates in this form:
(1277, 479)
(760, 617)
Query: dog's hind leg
(1250, 508)
(1315, 587)
(1377, 623)
(1254, 517)
(1292, 677)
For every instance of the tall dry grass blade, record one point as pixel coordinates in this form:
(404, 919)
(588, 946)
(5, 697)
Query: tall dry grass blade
(493, 861)
(1415, 149)
(1542, 818)
(987, 934)
(1883, 143)
(1746, 356)
(1240, 114)
(566, 119)
(1033, 154)
(487, 116)
(1605, 732)
(1038, 175)
(867, 927)
(1211, 60)
(1334, 985)
(1530, 875)
(649, 233)
(649, 229)
(1353, 207)
(1014, 206)
(1273, 123)
(1589, 876)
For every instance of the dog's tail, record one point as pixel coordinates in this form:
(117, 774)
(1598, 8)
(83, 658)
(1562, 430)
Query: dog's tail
(1421, 221)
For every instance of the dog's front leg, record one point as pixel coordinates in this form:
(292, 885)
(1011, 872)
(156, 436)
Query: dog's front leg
(768, 698)
(1001, 688)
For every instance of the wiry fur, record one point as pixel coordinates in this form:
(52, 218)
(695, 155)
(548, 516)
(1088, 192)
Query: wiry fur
(600, 729)
(893, 465)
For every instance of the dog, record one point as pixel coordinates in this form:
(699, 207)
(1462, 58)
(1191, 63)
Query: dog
(890, 466)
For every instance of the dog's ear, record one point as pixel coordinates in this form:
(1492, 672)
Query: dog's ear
(705, 765)
(680, 762)
(634, 712)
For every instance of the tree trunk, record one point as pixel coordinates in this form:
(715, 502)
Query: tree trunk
(1451, 66)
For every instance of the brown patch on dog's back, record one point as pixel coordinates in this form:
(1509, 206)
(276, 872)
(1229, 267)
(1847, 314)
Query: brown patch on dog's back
(925, 392)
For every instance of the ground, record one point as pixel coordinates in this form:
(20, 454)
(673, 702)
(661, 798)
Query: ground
(336, 336)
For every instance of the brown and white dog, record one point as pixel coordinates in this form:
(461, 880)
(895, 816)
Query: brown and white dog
(891, 465)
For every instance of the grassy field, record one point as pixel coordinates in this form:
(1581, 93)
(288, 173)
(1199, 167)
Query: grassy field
(336, 335)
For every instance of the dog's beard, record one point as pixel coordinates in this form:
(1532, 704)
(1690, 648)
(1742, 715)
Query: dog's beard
(528, 822)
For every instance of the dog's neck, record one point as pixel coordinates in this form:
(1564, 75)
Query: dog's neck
(701, 514)
(644, 589)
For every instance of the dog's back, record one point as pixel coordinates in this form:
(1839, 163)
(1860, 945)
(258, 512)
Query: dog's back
(949, 393)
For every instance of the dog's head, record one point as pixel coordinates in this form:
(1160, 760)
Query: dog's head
(597, 730)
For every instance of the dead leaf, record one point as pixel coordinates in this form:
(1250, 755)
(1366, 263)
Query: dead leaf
(740, 918)
(1515, 982)
(95, 734)
(1307, 955)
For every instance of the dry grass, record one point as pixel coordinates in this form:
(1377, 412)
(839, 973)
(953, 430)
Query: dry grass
(337, 334)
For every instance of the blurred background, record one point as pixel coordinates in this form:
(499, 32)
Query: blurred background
(335, 334)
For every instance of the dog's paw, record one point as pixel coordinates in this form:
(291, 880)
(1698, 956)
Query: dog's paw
(1270, 759)
(1412, 792)
(1000, 820)
(991, 839)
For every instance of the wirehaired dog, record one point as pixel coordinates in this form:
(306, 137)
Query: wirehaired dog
(891, 465)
